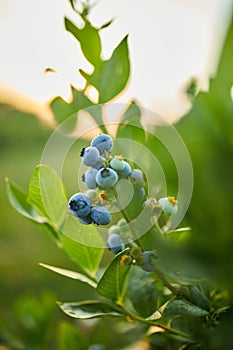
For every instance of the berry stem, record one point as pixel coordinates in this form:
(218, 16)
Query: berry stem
(127, 219)
(158, 228)
(167, 284)
(153, 323)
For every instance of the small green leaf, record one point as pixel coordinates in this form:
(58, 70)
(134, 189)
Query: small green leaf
(182, 308)
(46, 193)
(112, 76)
(87, 309)
(89, 40)
(142, 292)
(69, 337)
(131, 114)
(197, 296)
(18, 200)
(71, 274)
(114, 280)
(107, 24)
(82, 243)
(62, 110)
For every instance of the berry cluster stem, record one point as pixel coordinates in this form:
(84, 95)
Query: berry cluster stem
(127, 219)
(165, 282)
(154, 323)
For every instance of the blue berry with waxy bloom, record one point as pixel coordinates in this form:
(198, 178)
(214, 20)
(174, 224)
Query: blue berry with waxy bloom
(103, 142)
(137, 177)
(100, 215)
(89, 177)
(115, 243)
(90, 156)
(168, 205)
(150, 259)
(87, 220)
(100, 163)
(80, 205)
(125, 172)
(106, 177)
(117, 163)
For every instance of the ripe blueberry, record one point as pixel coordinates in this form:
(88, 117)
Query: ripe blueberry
(89, 178)
(103, 142)
(137, 177)
(90, 156)
(125, 172)
(106, 177)
(80, 205)
(87, 220)
(100, 215)
(100, 163)
(115, 243)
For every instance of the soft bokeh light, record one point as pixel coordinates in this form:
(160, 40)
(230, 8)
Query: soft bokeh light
(170, 41)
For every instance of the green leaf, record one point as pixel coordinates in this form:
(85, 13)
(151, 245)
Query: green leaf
(179, 267)
(130, 125)
(107, 24)
(132, 114)
(89, 40)
(112, 76)
(62, 110)
(182, 308)
(197, 296)
(83, 244)
(69, 337)
(46, 193)
(71, 274)
(18, 200)
(114, 280)
(87, 309)
(142, 292)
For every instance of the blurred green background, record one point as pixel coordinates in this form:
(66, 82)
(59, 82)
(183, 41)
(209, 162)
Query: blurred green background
(208, 133)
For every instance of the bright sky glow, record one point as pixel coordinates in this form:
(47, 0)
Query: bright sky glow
(169, 40)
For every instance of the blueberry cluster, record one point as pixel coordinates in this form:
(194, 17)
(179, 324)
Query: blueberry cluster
(103, 173)
(81, 206)
(104, 170)
(88, 207)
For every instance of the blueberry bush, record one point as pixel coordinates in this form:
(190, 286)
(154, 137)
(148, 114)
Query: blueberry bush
(118, 225)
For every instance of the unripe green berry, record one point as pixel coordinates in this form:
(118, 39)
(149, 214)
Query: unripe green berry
(168, 205)
(117, 164)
